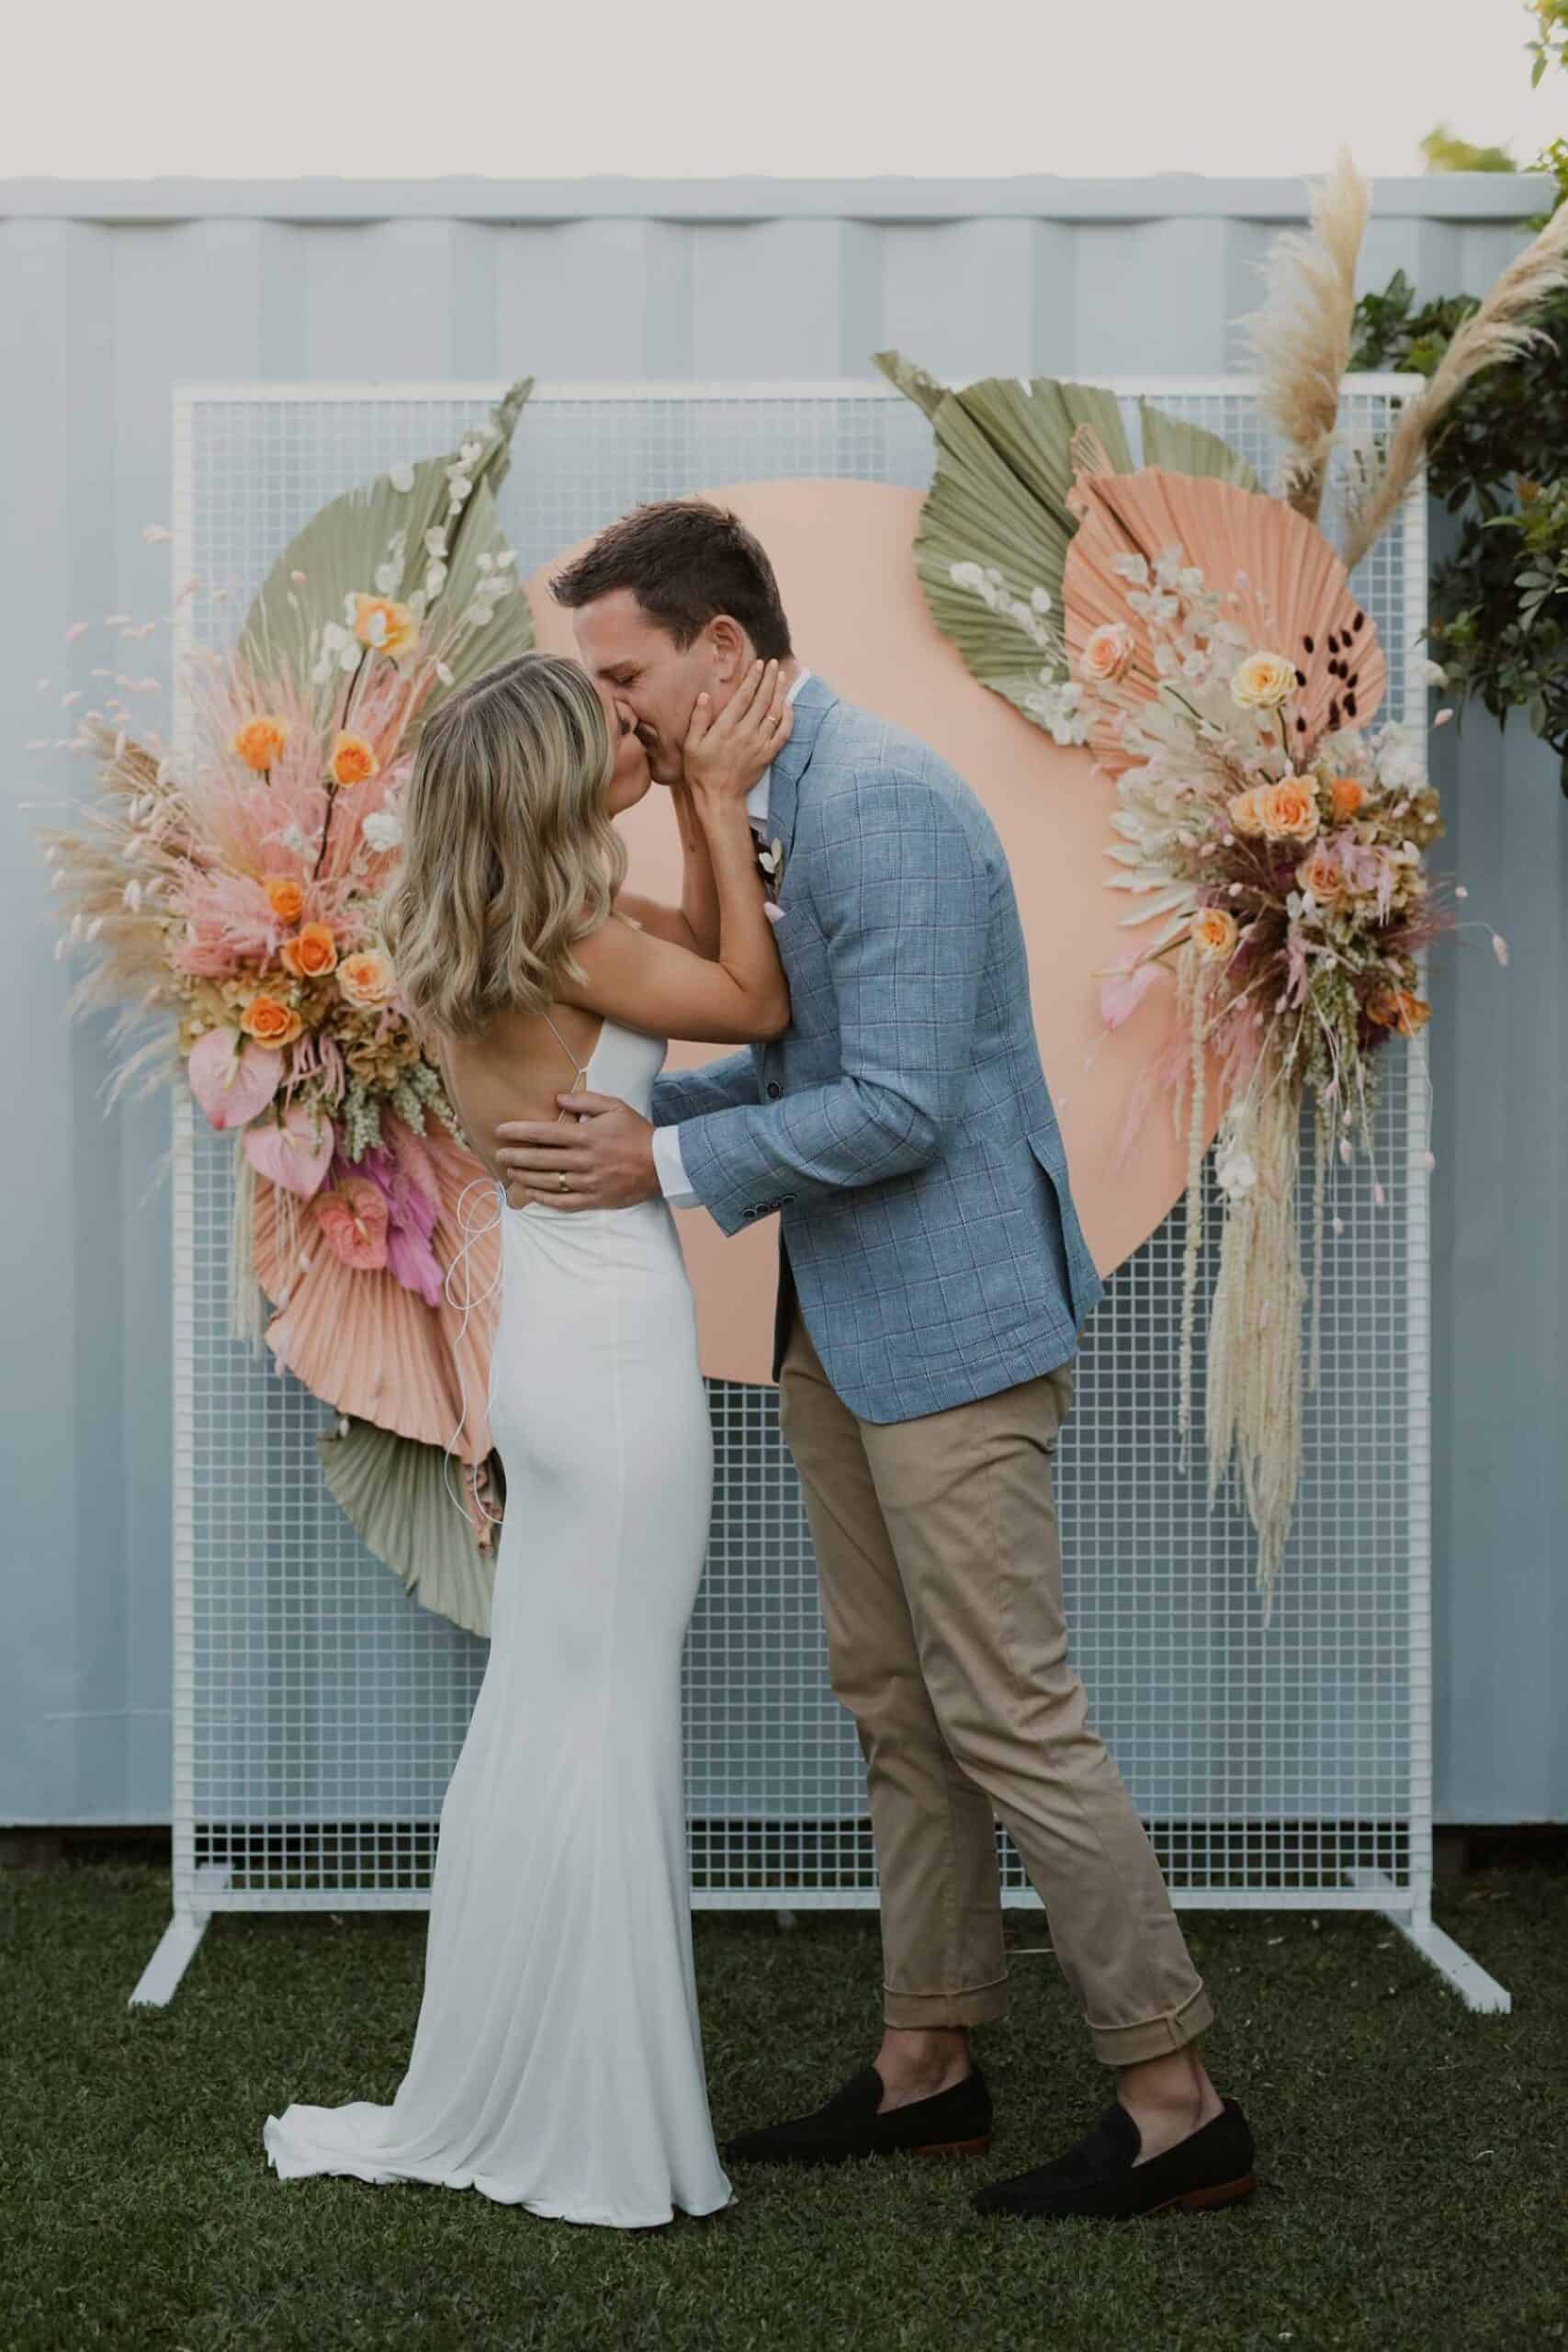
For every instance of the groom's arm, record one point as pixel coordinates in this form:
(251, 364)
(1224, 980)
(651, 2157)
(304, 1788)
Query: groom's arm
(904, 901)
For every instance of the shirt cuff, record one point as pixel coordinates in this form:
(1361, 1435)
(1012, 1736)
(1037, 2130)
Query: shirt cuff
(670, 1168)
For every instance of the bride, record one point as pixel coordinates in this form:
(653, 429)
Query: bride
(557, 2060)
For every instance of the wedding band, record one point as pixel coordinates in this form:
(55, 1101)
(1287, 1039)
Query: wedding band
(560, 1179)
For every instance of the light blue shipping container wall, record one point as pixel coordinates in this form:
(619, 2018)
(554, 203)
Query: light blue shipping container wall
(112, 295)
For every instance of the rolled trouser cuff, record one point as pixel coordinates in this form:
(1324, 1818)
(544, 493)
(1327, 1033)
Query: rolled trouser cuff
(1156, 2037)
(965, 2004)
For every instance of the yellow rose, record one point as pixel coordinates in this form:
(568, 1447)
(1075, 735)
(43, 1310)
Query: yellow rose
(270, 1023)
(260, 741)
(1244, 810)
(365, 978)
(284, 896)
(1263, 682)
(385, 626)
(1289, 808)
(1214, 934)
(311, 953)
(353, 761)
(1107, 652)
(1320, 874)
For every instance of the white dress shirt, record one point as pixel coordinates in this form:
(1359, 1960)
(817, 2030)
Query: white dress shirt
(667, 1161)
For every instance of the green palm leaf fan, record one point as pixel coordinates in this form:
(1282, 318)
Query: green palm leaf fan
(343, 545)
(393, 1492)
(998, 511)
(993, 538)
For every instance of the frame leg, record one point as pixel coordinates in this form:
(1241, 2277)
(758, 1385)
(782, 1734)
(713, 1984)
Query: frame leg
(1453, 1963)
(176, 1946)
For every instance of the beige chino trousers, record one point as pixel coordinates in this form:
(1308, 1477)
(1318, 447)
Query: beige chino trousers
(940, 1564)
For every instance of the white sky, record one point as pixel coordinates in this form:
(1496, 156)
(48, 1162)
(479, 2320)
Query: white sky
(276, 89)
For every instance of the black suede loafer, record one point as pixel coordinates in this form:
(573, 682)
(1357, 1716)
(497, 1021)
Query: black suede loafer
(956, 2122)
(1102, 2178)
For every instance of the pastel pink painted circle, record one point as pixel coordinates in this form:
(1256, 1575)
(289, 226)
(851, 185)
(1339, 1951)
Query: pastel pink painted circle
(844, 552)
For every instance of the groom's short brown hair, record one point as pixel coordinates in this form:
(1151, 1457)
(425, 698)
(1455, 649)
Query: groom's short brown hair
(685, 561)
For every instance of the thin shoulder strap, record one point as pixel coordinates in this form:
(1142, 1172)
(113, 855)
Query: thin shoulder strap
(580, 1082)
(580, 1067)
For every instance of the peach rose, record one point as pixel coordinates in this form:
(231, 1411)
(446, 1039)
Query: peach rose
(1244, 810)
(284, 896)
(1321, 875)
(365, 978)
(1107, 652)
(260, 741)
(1214, 934)
(1345, 794)
(1263, 682)
(270, 1023)
(1289, 808)
(383, 626)
(311, 953)
(353, 761)
(1398, 1008)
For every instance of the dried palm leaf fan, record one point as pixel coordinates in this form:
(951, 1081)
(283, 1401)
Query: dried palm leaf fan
(1293, 596)
(415, 1510)
(1000, 503)
(343, 544)
(364, 1343)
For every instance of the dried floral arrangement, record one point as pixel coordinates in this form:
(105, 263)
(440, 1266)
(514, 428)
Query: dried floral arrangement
(227, 888)
(1200, 636)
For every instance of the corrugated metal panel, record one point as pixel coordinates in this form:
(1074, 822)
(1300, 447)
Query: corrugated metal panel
(109, 296)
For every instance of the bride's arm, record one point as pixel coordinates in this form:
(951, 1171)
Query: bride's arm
(654, 984)
(694, 924)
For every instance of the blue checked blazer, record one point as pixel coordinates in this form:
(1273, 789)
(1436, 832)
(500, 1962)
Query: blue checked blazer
(901, 1125)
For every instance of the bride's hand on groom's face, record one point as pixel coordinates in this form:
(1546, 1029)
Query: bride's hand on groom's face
(601, 1156)
(725, 752)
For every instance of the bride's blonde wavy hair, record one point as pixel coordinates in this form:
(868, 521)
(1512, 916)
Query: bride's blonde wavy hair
(510, 856)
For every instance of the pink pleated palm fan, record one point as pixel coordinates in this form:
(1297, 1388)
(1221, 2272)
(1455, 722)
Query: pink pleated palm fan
(1282, 583)
(362, 1342)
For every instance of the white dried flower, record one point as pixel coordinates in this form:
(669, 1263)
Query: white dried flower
(400, 476)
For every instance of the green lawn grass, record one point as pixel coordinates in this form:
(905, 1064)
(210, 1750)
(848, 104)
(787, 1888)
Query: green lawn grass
(1412, 2192)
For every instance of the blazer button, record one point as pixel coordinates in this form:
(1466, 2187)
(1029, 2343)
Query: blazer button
(774, 1090)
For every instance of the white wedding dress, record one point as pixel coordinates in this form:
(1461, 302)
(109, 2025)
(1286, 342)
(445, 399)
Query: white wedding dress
(557, 2061)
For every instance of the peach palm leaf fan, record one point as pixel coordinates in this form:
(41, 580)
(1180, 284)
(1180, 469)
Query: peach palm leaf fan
(422, 1515)
(346, 542)
(998, 520)
(1284, 586)
(364, 1343)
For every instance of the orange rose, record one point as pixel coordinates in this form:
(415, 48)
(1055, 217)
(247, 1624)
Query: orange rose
(1320, 874)
(260, 741)
(284, 896)
(1244, 810)
(365, 978)
(383, 625)
(311, 953)
(1345, 794)
(1214, 934)
(1289, 808)
(353, 761)
(1398, 1008)
(270, 1023)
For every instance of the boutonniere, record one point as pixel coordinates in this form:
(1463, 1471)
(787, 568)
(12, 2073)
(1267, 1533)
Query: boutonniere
(771, 858)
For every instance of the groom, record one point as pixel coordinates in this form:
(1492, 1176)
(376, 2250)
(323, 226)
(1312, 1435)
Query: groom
(934, 1282)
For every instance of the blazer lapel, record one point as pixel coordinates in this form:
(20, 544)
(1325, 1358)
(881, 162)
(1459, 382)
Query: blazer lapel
(811, 705)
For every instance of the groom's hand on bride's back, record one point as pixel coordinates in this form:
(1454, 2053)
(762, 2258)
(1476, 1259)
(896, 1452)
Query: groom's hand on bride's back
(599, 1157)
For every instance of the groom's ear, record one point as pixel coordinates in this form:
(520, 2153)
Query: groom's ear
(731, 648)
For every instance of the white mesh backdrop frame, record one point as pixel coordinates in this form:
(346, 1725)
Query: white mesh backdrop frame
(319, 1711)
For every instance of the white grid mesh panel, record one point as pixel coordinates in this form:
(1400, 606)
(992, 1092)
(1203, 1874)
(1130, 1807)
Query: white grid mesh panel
(319, 1712)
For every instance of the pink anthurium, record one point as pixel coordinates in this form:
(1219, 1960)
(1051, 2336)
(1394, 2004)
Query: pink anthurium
(294, 1151)
(231, 1077)
(1122, 993)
